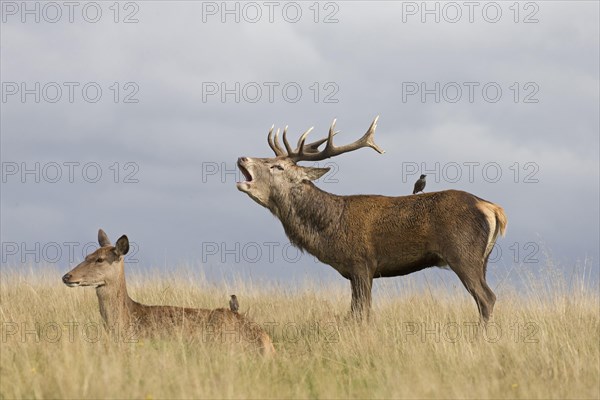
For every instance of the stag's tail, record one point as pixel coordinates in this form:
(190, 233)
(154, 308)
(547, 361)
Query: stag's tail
(497, 222)
(501, 221)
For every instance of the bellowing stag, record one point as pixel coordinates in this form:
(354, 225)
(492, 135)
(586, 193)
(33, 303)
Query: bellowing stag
(370, 236)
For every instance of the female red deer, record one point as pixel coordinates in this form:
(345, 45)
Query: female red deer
(369, 236)
(104, 270)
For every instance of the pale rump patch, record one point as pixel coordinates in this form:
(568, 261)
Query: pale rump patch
(496, 220)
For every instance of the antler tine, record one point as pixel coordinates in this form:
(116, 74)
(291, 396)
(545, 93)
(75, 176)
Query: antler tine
(314, 146)
(279, 151)
(289, 149)
(365, 141)
(270, 139)
(329, 146)
(300, 147)
(331, 151)
(369, 137)
(274, 145)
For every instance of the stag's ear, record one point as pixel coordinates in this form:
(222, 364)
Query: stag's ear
(313, 174)
(103, 240)
(122, 246)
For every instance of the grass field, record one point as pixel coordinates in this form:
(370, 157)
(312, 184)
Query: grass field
(419, 343)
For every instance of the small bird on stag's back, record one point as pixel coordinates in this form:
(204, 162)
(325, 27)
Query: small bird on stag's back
(419, 185)
(233, 304)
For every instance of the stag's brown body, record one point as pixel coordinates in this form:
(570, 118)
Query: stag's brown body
(369, 236)
(104, 270)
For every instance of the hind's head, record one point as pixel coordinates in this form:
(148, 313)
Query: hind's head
(102, 267)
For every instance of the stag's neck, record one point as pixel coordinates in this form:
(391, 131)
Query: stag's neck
(116, 307)
(310, 216)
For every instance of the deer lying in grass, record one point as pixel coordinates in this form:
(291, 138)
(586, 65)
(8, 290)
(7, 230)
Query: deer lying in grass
(104, 270)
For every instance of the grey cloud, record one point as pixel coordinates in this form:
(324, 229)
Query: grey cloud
(172, 135)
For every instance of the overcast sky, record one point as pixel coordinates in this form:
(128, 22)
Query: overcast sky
(499, 100)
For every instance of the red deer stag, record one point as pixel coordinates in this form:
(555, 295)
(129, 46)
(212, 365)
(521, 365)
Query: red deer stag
(370, 236)
(104, 270)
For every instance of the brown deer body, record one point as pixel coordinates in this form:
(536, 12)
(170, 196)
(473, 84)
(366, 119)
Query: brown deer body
(104, 270)
(369, 236)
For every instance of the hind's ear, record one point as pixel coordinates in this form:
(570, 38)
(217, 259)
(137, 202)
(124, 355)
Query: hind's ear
(122, 246)
(103, 239)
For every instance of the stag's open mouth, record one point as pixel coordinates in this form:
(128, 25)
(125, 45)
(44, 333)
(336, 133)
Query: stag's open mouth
(246, 173)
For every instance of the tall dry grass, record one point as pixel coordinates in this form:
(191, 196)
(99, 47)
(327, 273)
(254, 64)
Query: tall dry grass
(421, 342)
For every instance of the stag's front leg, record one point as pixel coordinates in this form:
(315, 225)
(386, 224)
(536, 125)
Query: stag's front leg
(361, 295)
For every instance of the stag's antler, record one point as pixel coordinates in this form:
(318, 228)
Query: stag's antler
(310, 151)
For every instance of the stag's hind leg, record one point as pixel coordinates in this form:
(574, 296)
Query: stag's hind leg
(491, 297)
(473, 278)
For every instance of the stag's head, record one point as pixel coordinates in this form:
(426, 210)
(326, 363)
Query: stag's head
(102, 267)
(267, 179)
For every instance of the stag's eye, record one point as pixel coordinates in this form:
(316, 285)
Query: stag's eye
(277, 166)
(100, 260)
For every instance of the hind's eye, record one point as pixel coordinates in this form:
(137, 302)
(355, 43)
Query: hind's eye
(100, 260)
(279, 167)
